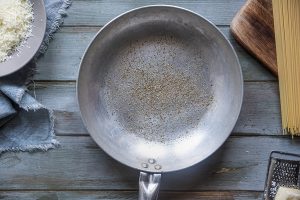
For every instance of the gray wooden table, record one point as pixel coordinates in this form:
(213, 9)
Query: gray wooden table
(80, 170)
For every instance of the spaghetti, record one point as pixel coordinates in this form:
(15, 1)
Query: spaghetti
(287, 35)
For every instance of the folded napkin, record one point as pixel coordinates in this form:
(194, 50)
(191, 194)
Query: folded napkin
(25, 124)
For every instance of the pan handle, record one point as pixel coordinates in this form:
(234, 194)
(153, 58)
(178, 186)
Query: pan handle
(149, 186)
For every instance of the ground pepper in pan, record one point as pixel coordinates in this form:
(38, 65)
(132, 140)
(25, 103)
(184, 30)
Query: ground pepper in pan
(155, 90)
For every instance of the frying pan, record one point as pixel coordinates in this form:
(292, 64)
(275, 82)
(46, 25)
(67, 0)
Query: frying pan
(159, 90)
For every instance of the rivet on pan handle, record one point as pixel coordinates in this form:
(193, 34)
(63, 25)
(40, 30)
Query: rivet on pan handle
(149, 186)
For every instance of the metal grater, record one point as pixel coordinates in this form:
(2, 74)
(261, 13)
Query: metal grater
(283, 170)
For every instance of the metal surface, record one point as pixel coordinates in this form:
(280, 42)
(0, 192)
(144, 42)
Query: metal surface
(149, 186)
(160, 88)
(283, 170)
(26, 52)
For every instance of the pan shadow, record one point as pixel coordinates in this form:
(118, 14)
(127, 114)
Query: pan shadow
(190, 179)
(194, 177)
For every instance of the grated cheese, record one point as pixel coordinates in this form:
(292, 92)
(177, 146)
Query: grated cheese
(285, 193)
(16, 18)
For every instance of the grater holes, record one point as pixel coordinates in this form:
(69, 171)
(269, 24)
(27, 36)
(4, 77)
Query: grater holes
(283, 173)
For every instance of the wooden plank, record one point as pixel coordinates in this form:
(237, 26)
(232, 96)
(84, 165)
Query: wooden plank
(61, 61)
(96, 12)
(79, 164)
(260, 111)
(129, 195)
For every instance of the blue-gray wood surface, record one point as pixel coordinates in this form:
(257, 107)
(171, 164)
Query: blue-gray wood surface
(80, 170)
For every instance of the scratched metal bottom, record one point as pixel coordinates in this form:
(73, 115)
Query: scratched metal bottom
(158, 86)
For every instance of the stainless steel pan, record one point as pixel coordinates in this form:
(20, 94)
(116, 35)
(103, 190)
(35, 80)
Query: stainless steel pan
(159, 89)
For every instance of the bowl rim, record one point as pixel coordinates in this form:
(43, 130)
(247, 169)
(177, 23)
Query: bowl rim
(16, 61)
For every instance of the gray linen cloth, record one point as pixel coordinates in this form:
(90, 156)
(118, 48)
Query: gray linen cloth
(25, 124)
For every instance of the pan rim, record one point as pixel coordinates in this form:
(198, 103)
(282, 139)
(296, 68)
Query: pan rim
(241, 89)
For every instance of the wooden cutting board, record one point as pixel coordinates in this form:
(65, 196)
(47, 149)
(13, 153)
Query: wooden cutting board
(253, 28)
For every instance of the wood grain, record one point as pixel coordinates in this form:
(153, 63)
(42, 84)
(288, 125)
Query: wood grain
(80, 170)
(80, 164)
(253, 28)
(260, 113)
(129, 195)
(97, 13)
(61, 61)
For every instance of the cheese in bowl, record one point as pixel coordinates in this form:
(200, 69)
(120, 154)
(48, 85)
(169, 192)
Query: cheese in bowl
(16, 17)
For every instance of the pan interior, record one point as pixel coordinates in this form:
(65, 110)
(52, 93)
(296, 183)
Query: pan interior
(157, 86)
(159, 83)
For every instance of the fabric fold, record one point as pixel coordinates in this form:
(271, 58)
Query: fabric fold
(26, 124)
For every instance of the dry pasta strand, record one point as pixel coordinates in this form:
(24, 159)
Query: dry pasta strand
(287, 35)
